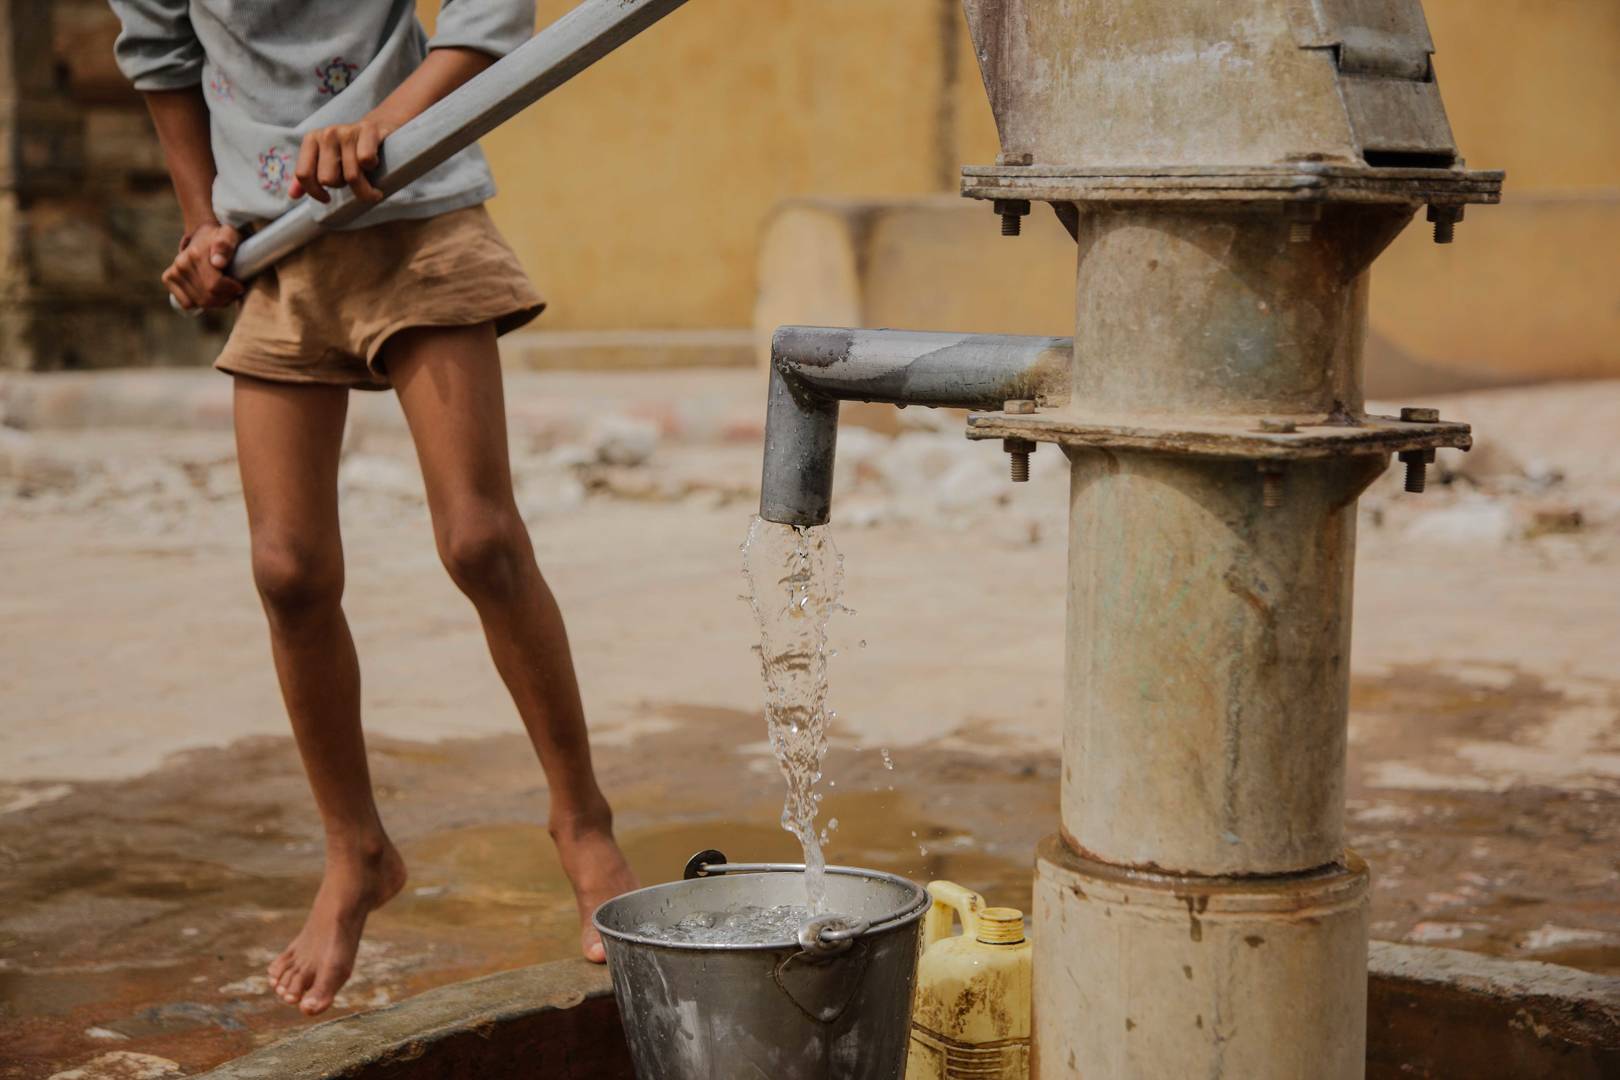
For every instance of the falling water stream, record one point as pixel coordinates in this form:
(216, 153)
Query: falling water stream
(795, 577)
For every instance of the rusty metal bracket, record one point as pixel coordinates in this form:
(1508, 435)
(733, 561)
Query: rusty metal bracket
(1304, 181)
(1233, 437)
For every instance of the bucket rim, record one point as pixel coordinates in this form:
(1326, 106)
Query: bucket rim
(908, 912)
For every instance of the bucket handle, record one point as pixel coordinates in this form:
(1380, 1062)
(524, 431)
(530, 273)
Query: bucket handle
(950, 901)
(827, 935)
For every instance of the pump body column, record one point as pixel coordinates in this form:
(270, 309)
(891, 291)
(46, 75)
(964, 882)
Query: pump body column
(1198, 910)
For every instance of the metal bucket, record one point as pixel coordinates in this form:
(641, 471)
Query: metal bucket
(833, 1005)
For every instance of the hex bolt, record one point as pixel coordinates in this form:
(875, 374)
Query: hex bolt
(1299, 232)
(1417, 469)
(1013, 212)
(1272, 425)
(1445, 220)
(1019, 407)
(1271, 486)
(1018, 451)
(1414, 415)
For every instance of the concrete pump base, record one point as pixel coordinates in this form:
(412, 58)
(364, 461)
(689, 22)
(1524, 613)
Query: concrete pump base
(1187, 976)
(1434, 1013)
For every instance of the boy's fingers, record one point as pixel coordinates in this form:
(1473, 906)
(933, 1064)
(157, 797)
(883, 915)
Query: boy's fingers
(183, 280)
(171, 281)
(222, 290)
(222, 247)
(329, 165)
(308, 156)
(367, 145)
(355, 175)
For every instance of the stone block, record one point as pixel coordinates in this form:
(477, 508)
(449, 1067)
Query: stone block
(82, 44)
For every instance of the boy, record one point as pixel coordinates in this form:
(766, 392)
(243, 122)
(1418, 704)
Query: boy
(260, 102)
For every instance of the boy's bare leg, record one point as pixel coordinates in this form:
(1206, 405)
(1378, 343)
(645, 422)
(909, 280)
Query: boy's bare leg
(288, 440)
(449, 384)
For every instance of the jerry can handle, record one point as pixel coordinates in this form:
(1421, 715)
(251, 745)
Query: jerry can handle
(950, 901)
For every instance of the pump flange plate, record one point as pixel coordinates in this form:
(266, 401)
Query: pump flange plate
(1235, 437)
(1306, 181)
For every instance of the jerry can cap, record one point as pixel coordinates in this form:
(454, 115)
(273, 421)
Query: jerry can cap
(1000, 926)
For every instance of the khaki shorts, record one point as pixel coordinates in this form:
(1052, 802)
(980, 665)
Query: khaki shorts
(323, 313)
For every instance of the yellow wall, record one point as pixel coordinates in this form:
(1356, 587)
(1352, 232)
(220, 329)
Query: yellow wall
(636, 194)
(1532, 287)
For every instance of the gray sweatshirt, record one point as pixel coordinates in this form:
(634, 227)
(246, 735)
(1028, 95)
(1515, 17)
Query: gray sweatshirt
(274, 70)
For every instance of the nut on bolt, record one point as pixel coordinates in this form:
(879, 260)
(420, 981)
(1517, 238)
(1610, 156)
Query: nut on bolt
(1445, 220)
(1013, 212)
(1018, 451)
(1417, 461)
(1417, 466)
(1019, 407)
(1272, 425)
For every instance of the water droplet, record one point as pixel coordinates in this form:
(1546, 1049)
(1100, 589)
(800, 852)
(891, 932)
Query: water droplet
(888, 762)
(863, 643)
(921, 850)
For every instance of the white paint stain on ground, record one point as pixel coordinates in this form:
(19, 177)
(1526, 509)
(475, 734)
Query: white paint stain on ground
(16, 798)
(122, 1065)
(1553, 936)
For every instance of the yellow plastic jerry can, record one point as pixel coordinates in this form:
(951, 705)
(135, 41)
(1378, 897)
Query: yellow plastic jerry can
(973, 997)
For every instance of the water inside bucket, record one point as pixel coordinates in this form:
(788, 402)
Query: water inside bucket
(746, 925)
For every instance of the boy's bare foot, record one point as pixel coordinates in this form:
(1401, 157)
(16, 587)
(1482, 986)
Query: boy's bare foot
(357, 881)
(595, 867)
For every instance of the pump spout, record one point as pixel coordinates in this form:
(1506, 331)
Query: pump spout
(814, 368)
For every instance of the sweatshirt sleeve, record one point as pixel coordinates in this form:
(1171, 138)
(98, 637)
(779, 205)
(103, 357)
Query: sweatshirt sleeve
(495, 27)
(157, 49)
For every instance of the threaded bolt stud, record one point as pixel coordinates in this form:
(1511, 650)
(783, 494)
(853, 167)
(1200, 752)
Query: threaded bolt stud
(1417, 469)
(1018, 451)
(1445, 220)
(1271, 487)
(1012, 213)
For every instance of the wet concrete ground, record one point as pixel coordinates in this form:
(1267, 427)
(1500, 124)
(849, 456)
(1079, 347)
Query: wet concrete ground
(157, 845)
(137, 915)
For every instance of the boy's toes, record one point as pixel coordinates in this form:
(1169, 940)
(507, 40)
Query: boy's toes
(296, 984)
(593, 948)
(320, 995)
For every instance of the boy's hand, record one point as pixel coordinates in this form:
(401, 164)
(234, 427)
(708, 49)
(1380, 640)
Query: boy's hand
(339, 156)
(197, 278)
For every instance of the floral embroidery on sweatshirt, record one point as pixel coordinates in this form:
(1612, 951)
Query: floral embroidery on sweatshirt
(275, 166)
(335, 75)
(220, 87)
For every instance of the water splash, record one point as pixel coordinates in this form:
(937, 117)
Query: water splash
(795, 576)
